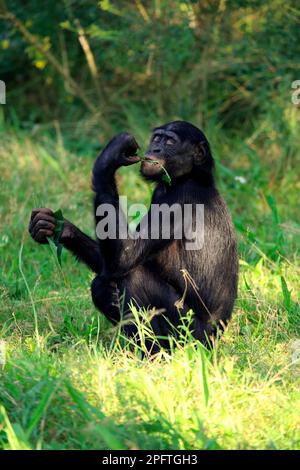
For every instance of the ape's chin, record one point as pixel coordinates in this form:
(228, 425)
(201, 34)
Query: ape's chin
(151, 176)
(152, 170)
(155, 178)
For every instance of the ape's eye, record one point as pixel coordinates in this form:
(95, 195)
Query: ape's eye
(156, 138)
(170, 141)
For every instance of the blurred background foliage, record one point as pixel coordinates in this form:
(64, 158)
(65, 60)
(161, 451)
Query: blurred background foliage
(140, 62)
(79, 71)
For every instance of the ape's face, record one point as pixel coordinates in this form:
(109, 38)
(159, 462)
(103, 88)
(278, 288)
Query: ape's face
(170, 150)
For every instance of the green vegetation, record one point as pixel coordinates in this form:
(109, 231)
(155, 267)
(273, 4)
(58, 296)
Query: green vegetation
(68, 379)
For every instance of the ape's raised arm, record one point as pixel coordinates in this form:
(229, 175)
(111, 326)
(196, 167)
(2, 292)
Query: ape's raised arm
(122, 254)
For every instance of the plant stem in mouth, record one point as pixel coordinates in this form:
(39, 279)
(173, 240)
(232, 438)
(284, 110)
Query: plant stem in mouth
(166, 176)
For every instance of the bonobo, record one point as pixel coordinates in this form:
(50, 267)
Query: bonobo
(159, 272)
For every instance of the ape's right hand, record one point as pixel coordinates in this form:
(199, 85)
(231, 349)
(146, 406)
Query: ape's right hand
(42, 224)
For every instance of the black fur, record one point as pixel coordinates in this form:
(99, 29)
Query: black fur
(150, 271)
(159, 273)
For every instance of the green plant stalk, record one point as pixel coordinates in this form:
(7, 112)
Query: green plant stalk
(55, 239)
(166, 177)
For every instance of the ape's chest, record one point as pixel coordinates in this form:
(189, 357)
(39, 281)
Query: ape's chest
(168, 262)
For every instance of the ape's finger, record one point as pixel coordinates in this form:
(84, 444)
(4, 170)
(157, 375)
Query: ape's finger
(44, 210)
(130, 160)
(131, 145)
(40, 217)
(43, 216)
(42, 235)
(42, 224)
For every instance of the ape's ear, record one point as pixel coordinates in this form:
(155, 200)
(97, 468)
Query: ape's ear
(200, 154)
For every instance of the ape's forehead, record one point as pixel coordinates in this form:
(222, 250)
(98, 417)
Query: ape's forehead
(185, 131)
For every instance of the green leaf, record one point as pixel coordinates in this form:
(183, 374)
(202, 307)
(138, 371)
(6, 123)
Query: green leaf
(286, 293)
(40, 410)
(166, 177)
(204, 376)
(59, 227)
(15, 434)
(273, 206)
(93, 415)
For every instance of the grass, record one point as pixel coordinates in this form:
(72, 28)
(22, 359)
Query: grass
(70, 382)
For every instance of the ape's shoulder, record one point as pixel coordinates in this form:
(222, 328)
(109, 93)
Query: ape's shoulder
(193, 191)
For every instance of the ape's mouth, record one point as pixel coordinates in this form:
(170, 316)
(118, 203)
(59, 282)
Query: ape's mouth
(151, 165)
(152, 160)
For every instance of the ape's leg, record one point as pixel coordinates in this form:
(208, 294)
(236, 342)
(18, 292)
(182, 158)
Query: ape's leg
(144, 289)
(106, 297)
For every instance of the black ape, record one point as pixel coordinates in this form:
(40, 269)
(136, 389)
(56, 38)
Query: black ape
(159, 272)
